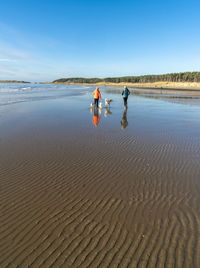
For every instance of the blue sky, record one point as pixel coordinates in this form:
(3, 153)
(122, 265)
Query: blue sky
(45, 40)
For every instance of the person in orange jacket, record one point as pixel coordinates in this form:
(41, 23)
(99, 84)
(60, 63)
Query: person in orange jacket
(97, 96)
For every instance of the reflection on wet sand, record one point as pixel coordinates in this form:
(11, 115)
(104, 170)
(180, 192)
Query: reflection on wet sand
(107, 111)
(124, 122)
(96, 116)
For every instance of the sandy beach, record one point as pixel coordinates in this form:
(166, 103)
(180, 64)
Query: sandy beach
(180, 86)
(124, 193)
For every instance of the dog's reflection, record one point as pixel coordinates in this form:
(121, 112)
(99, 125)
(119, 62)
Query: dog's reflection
(96, 115)
(107, 112)
(124, 122)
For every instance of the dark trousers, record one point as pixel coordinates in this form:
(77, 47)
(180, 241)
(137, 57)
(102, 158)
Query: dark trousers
(96, 102)
(125, 101)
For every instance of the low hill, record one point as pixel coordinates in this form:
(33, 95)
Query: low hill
(12, 81)
(171, 77)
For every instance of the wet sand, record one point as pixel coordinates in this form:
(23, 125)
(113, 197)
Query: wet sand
(76, 195)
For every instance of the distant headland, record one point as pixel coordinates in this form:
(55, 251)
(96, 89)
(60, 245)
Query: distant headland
(13, 81)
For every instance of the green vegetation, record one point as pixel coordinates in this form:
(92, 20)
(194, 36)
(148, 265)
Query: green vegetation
(172, 77)
(78, 80)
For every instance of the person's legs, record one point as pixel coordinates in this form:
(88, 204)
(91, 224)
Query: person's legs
(96, 101)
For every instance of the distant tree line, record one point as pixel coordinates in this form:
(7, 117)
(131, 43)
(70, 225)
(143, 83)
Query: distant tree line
(78, 80)
(172, 77)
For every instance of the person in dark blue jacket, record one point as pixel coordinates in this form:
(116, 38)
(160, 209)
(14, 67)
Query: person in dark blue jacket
(125, 94)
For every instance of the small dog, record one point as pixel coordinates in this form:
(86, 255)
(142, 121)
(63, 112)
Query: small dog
(107, 102)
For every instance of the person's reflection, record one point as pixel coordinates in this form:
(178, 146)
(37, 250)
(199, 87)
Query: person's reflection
(96, 117)
(124, 122)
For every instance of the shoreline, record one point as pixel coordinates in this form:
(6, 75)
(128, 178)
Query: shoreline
(182, 86)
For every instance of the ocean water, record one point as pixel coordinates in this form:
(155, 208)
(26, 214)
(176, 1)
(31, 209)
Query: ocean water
(16, 93)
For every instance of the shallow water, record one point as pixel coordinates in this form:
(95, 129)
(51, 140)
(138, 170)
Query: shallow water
(15, 93)
(147, 115)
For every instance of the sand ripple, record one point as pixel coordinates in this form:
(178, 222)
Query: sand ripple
(121, 202)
